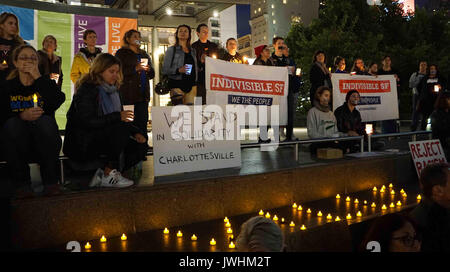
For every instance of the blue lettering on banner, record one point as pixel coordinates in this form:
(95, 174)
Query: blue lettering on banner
(370, 100)
(250, 100)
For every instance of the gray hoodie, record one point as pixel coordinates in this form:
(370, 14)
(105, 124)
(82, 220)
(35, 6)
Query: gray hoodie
(321, 124)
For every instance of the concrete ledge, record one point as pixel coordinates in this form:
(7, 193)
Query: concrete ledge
(47, 222)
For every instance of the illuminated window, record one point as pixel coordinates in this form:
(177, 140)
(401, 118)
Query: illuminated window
(274, 21)
(273, 6)
(273, 13)
(259, 9)
(285, 2)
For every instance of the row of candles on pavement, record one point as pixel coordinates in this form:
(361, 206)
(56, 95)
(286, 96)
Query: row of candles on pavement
(231, 245)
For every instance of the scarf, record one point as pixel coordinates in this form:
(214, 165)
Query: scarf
(109, 99)
(320, 107)
(322, 67)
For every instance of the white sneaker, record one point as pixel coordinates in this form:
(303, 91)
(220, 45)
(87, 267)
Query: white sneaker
(97, 178)
(115, 179)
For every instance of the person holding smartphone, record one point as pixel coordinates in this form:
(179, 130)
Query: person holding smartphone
(180, 65)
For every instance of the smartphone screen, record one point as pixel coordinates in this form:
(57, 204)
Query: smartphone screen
(188, 69)
(298, 71)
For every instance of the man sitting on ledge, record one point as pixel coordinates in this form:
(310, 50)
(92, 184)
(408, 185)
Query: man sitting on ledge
(433, 213)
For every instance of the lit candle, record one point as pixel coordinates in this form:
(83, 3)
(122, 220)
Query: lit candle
(103, 239)
(338, 196)
(329, 217)
(124, 237)
(214, 56)
(292, 224)
(308, 211)
(282, 220)
(369, 129)
(373, 205)
(359, 214)
(383, 187)
(244, 58)
(261, 212)
(275, 218)
(365, 202)
(356, 201)
(384, 207)
(390, 185)
(228, 225)
(392, 192)
(348, 199)
(319, 214)
(226, 219)
(399, 203)
(419, 197)
(402, 191)
(392, 205)
(35, 100)
(193, 237)
(229, 231)
(212, 242)
(300, 208)
(382, 190)
(166, 231)
(374, 189)
(303, 227)
(267, 215)
(179, 234)
(405, 195)
(349, 216)
(4, 62)
(329, 69)
(231, 245)
(337, 219)
(294, 205)
(87, 246)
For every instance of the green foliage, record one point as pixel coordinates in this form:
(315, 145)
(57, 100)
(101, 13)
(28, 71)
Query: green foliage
(351, 28)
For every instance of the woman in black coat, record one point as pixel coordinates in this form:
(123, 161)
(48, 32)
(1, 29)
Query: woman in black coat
(98, 125)
(319, 75)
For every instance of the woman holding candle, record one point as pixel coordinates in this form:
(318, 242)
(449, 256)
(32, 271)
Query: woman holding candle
(49, 62)
(137, 71)
(30, 125)
(98, 125)
(180, 65)
(9, 40)
(358, 68)
(84, 58)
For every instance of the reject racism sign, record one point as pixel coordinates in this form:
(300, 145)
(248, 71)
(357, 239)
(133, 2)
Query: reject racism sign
(426, 152)
(194, 138)
(378, 95)
(240, 84)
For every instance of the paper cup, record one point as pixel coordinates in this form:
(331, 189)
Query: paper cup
(144, 62)
(129, 108)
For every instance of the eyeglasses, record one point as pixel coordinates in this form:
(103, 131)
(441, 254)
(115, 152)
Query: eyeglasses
(407, 240)
(23, 58)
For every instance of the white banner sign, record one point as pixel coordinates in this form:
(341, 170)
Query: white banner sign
(240, 84)
(194, 138)
(378, 95)
(426, 152)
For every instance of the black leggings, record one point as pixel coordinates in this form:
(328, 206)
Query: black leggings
(24, 141)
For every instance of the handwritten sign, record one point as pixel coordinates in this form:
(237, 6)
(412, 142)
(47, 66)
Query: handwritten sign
(426, 152)
(194, 138)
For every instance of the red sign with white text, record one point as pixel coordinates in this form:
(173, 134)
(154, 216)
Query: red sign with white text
(364, 86)
(244, 85)
(426, 152)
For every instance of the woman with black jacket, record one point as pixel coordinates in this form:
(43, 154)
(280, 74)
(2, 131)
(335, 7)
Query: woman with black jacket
(9, 40)
(98, 125)
(49, 63)
(29, 130)
(137, 72)
(319, 75)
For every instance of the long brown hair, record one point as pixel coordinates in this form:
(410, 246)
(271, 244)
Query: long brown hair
(15, 55)
(101, 63)
(188, 42)
(3, 17)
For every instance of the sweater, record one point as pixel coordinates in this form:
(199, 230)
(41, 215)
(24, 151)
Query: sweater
(321, 124)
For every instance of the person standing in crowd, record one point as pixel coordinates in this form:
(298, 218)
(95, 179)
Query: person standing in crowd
(137, 71)
(440, 122)
(432, 215)
(394, 233)
(349, 119)
(203, 48)
(429, 89)
(339, 64)
(373, 69)
(319, 75)
(390, 126)
(232, 55)
(320, 121)
(9, 40)
(84, 58)
(259, 234)
(414, 82)
(180, 65)
(262, 53)
(98, 125)
(358, 68)
(29, 130)
(49, 62)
